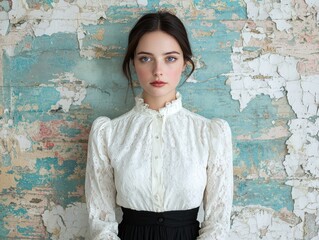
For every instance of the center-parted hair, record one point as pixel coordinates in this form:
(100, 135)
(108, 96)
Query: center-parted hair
(159, 21)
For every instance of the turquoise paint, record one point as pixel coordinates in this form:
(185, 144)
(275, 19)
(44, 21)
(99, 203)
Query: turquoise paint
(107, 87)
(110, 105)
(105, 75)
(44, 3)
(26, 231)
(5, 5)
(218, 33)
(4, 211)
(255, 154)
(38, 59)
(254, 120)
(23, 70)
(273, 194)
(252, 49)
(19, 213)
(257, 117)
(211, 82)
(5, 191)
(41, 97)
(102, 75)
(30, 117)
(6, 160)
(232, 7)
(12, 209)
(119, 13)
(53, 56)
(5, 103)
(69, 132)
(115, 36)
(3, 231)
(152, 4)
(49, 1)
(28, 181)
(31, 180)
(54, 42)
(125, 14)
(20, 65)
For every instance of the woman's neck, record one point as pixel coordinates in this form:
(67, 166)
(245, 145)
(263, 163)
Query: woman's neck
(157, 103)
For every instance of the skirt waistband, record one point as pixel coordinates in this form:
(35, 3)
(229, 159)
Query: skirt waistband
(168, 218)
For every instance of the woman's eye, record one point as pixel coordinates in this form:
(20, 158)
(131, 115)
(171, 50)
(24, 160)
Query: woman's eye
(171, 59)
(145, 59)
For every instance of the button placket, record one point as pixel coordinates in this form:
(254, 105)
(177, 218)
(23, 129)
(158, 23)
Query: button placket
(157, 162)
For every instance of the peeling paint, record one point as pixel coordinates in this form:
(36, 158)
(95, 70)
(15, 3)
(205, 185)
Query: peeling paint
(266, 74)
(72, 91)
(315, 5)
(276, 10)
(62, 17)
(256, 222)
(24, 143)
(68, 223)
(303, 148)
(60, 68)
(4, 23)
(303, 96)
(258, 69)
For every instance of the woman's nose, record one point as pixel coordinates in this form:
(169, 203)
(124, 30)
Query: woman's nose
(157, 71)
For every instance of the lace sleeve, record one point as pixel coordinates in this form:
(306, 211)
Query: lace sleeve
(99, 184)
(218, 194)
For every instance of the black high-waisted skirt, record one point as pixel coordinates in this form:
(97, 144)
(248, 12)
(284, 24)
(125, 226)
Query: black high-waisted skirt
(170, 225)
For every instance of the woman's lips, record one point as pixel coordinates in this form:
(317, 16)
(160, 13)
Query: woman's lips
(158, 83)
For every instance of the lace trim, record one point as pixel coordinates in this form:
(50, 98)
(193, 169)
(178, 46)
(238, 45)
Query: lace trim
(170, 107)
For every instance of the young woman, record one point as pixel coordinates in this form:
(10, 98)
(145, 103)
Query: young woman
(159, 161)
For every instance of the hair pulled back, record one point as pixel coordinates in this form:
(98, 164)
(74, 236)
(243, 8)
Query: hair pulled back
(159, 21)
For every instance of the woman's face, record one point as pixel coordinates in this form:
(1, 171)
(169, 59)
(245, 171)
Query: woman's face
(159, 63)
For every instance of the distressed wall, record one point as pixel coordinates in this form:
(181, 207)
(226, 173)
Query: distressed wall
(257, 67)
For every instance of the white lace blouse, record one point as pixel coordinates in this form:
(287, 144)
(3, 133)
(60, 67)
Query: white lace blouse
(171, 159)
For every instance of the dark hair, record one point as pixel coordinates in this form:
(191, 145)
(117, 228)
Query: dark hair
(159, 21)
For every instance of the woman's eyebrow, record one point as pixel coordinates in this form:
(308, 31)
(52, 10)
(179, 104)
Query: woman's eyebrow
(167, 53)
(147, 53)
(172, 52)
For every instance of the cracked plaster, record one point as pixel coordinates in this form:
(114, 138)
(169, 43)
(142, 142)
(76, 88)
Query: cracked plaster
(72, 91)
(277, 75)
(257, 222)
(273, 73)
(66, 223)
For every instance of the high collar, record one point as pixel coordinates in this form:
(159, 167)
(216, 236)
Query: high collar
(169, 108)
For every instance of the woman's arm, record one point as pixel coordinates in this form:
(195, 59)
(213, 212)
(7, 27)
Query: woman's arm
(218, 194)
(99, 184)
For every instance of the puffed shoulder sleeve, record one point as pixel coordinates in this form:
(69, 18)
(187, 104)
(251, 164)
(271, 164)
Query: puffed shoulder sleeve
(218, 194)
(99, 184)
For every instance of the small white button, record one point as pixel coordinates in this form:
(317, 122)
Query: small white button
(157, 137)
(156, 197)
(156, 157)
